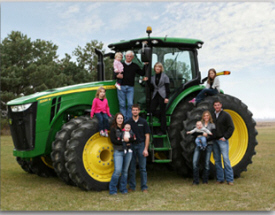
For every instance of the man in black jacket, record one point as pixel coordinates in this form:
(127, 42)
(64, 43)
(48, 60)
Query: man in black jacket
(224, 130)
(126, 94)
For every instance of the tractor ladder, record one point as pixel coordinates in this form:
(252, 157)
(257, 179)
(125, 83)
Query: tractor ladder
(160, 146)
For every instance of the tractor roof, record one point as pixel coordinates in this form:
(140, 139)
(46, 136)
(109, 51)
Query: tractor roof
(157, 41)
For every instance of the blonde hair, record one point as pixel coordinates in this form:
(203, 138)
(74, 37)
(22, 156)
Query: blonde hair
(99, 90)
(119, 54)
(160, 65)
(210, 116)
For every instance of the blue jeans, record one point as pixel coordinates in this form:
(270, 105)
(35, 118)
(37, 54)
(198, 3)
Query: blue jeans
(122, 163)
(206, 168)
(103, 121)
(221, 148)
(137, 153)
(205, 92)
(201, 141)
(126, 94)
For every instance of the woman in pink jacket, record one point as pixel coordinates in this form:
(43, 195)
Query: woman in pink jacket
(101, 109)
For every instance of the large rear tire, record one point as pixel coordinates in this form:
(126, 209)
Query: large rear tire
(176, 125)
(89, 157)
(59, 147)
(241, 144)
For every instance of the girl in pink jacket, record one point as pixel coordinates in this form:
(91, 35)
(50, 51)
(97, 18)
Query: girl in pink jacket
(101, 109)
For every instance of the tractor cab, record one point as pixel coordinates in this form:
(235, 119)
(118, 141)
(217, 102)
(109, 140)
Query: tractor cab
(179, 58)
(177, 55)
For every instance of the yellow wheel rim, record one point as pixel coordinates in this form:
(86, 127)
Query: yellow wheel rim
(47, 161)
(238, 142)
(98, 158)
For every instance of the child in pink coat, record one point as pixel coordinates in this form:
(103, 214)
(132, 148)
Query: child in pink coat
(118, 68)
(101, 109)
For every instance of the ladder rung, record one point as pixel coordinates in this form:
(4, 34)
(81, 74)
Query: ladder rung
(162, 149)
(160, 136)
(163, 161)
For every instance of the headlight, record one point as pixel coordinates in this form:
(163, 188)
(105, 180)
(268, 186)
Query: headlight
(20, 108)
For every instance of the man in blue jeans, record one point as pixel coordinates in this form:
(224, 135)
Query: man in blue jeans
(126, 93)
(140, 149)
(224, 130)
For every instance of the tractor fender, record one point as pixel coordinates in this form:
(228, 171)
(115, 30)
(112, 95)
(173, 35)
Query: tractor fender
(183, 95)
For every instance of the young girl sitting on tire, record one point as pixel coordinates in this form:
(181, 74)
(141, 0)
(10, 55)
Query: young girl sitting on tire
(212, 87)
(101, 109)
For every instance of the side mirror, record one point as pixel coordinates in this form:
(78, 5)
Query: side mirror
(146, 54)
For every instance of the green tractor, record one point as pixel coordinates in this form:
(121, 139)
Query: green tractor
(54, 135)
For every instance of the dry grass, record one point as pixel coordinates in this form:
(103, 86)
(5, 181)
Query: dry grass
(253, 191)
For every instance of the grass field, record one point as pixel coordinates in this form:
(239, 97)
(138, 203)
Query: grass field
(253, 191)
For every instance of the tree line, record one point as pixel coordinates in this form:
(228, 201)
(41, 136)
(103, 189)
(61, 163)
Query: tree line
(30, 66)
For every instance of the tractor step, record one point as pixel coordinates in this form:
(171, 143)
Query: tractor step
(159, 136)
(163, 161)
(160, 146)
(161, 149)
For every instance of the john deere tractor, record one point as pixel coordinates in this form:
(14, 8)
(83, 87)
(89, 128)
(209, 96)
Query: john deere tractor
(54, 135)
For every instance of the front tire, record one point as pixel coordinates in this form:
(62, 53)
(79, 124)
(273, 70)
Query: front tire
(89, 157)
(59, 147)
(25, 164)
(42, 166)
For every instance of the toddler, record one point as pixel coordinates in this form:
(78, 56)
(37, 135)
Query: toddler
(200, 139)
(128, 133)
(118, 68)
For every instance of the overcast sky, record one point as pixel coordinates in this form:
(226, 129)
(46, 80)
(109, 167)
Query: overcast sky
(238, 36)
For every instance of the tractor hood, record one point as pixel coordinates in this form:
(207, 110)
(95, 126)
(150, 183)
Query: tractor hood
(61, 91)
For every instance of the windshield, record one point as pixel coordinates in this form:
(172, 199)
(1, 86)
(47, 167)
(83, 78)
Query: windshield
(179, 65)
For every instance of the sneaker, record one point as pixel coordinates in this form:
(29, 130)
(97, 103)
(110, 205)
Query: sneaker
(193, 101)
(106, 133)
(118, 86)
(102, 133)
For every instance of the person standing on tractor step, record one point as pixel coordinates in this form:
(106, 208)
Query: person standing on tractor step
(224, 130)
(161, 91)
(126, 94)
(140, 149)
(101, 109)
(121, 160)
(207, 122)
(118, 68)
(212, 87)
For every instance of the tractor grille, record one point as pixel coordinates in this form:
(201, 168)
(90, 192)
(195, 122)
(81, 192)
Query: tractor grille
(22, 126)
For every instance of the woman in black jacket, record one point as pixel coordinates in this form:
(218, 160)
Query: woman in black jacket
(207, 122)
(121, 160)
